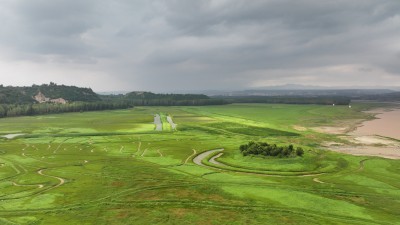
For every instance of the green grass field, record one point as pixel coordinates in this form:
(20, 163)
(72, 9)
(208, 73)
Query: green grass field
(112, 167)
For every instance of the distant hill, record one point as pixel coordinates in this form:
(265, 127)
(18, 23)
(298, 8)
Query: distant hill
(315, 87)
(352, 93)
(46, 93)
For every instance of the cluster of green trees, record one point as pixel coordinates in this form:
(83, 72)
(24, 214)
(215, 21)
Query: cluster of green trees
(10, 110)
(19, 101)
(265, 149)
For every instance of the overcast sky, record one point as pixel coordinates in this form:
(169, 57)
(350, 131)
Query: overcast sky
(167, 45)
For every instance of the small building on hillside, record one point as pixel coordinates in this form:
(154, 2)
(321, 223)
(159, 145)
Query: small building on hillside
(41, 98)
(59, 101)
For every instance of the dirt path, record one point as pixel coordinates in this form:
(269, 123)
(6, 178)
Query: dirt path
(59, 146)
(138, 150)
(122, 148)
(28, 185)
(144, 152)
(62, 181)
(214, 161)
(27, 146)
(318, 181)
(161, 155)
(197, 160)
(157, 122)
(188, 158)
(11, 136)
(361, 168)
(173, 125)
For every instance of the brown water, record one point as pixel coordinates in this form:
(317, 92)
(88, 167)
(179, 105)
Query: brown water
(387, 124)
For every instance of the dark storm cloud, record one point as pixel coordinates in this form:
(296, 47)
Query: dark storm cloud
(48, 27)
(183, 44)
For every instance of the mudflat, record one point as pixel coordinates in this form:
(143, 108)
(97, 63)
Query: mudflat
(387, 124)
(377, 137)
(389, 152)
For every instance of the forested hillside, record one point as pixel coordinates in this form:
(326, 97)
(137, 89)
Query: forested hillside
(51, 98)
(25, 95)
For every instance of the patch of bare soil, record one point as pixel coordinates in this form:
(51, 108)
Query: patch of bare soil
(373, 140)
(11, 136)
(331, 143)
(194, 153)
(378, 137)
(331, 130)
(299, 128)
(157, 122)
(385, 151)
(316, 180)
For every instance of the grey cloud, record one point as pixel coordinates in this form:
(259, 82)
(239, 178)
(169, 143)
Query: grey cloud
(148, 44)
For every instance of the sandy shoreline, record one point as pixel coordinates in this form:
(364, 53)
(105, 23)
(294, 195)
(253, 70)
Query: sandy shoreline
(378, 137)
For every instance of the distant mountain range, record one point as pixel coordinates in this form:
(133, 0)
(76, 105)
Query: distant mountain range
(314, 87)
(304, 90)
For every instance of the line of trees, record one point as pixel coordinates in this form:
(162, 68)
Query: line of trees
(318, 100)
(12, 110)
(167, 102)
(265, 149)
(152, 99)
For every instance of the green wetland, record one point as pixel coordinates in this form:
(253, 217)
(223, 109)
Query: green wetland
(113, 167)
